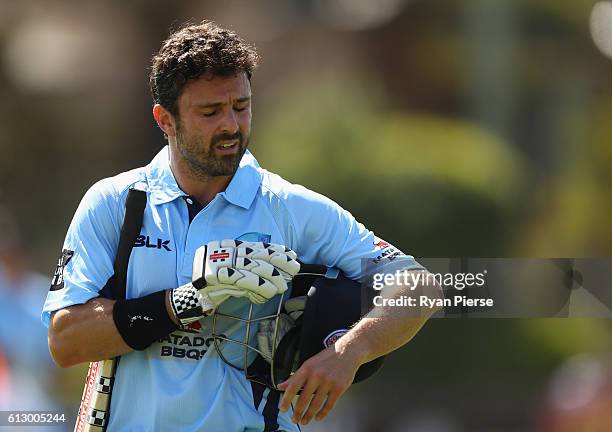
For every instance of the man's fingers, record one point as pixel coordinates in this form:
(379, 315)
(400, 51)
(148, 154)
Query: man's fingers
(315, 404)
(304, 399)
(332, 398)
(291, 387)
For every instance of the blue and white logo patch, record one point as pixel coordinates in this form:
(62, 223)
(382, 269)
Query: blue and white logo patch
(255, 237)
(331, 338)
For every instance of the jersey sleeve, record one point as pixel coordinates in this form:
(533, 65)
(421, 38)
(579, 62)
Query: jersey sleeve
(88, 252)
(327, 234)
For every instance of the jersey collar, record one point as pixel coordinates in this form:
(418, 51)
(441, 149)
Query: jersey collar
(241, 190)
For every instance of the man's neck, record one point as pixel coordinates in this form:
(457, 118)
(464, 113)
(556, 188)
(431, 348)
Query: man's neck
(202, 189)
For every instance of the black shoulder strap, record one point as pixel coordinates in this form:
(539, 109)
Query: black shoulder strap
(132, 223)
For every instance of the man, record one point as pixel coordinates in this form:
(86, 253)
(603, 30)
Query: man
(206, 189)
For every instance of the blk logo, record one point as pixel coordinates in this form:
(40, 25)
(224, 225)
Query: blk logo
(145, 241)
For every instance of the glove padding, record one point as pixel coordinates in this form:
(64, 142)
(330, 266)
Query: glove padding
(293, 310)
(234, 268)
(231, 268)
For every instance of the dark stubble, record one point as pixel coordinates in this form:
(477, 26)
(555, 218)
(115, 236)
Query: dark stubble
(202, 160)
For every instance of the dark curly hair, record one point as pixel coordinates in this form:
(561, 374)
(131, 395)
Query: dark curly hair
(195, 50)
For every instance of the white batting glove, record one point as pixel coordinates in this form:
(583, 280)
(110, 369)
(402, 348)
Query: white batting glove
(232, 268)
(255, 270)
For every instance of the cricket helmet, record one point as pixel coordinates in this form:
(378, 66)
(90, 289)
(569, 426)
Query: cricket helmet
(321, 307)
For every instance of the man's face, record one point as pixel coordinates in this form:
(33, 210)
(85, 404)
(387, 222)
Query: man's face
(214, 124)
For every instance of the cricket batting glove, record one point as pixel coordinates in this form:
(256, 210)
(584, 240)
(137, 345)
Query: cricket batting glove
(232, 268)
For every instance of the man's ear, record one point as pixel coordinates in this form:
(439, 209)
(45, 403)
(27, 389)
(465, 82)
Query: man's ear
(165, 120)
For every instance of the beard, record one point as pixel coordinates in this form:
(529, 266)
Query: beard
(201, 158)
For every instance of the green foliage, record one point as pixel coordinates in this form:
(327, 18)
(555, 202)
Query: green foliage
(432, 185)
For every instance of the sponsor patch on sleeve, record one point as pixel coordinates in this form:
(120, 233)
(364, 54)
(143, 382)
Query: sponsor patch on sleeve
(385, 251)
(58, 277)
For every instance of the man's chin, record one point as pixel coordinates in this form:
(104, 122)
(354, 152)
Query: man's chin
(226, 165)
(215, 165)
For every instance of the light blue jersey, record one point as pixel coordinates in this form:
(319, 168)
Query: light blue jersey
(180, 383)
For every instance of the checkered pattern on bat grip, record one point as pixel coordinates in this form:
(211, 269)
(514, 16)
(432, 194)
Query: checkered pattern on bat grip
(104, 384)
(97, 417)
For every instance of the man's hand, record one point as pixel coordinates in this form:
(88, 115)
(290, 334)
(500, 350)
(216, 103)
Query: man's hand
(322, 379)
(231, 268)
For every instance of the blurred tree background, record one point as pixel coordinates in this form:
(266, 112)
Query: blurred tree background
(477, 128)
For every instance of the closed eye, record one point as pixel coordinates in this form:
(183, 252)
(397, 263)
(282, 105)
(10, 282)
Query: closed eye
(242, 106)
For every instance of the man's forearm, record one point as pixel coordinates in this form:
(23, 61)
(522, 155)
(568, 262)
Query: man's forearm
(386, 328)
(88, 332)
(327, 375)
(374, 337)
(85, 332)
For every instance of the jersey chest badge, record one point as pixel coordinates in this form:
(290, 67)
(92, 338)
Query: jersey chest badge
(255, 237)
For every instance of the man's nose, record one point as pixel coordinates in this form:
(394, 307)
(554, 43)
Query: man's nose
(229, 123)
